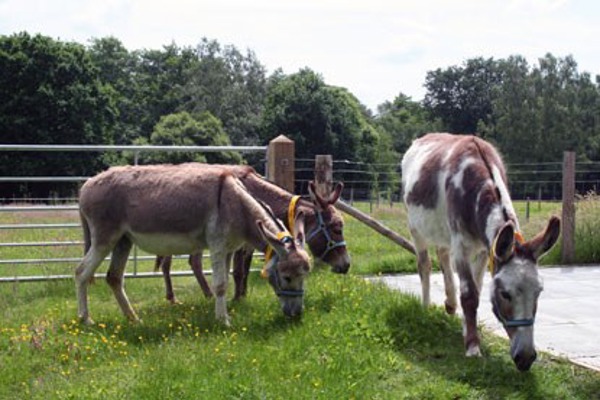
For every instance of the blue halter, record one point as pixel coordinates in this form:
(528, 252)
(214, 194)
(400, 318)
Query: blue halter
(276, 281)
(510, 323)
(273, 275)
(322, 228)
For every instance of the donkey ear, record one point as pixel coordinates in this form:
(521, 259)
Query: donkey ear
(337, 191)
(504, 243)
(318, 201)
(299, 228)
(271, 239)
(544, 241)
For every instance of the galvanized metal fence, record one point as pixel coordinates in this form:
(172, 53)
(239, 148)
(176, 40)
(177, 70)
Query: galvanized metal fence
(72, 261)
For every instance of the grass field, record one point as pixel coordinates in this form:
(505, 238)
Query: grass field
(356, 339)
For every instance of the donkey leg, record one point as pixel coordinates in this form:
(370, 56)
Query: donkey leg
(469, 301)
(423, 266)
(164, 263)
(449, 285)
(84, 275)
(479, 268)
(220, 267)
(195, 262)
(241, 268)
(114, 276)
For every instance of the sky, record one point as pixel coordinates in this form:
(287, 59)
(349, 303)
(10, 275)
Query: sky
(376, 49)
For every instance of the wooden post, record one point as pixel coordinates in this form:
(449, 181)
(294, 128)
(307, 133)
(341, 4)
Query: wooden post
(324, 174)
(568, 208)
(375, 225)
(280, 162)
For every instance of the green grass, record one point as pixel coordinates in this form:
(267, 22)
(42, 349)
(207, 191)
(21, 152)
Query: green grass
(355, 340)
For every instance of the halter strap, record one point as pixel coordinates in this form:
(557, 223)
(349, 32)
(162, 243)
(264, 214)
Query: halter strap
(509, 323)
(270, 272)
(322, 228)
(292, 212)
(281, 236)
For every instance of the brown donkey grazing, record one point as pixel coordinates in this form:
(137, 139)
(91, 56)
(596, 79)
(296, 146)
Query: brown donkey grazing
(456, 193)
(323, 223)
(170, 209)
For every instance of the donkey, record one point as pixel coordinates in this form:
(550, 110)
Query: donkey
(456, 192)
(323, 223)
(171, 209)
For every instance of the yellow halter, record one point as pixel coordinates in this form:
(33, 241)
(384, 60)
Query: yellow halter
(519, 239)
(281, 235)
(292, 212)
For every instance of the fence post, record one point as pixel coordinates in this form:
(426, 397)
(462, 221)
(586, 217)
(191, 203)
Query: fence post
(280, 162)
(568, 208)
(324, 174)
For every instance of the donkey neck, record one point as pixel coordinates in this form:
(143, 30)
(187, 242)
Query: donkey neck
(254, 211)
(502, 211)
(278, 198)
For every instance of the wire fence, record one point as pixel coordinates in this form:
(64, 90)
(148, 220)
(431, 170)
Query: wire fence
(41, 255)
(376, 182)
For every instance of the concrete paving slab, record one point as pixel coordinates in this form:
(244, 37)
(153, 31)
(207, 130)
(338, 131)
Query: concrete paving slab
(568, 318)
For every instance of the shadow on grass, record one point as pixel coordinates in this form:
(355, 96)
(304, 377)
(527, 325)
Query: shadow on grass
(433, 340)
(196, 319)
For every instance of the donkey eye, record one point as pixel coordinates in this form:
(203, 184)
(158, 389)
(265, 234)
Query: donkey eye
(505, 295)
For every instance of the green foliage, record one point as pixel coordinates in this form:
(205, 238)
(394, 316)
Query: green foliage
(230, 85)
(50, 93)
(541, 112)
(183, 129)
(321, 119)
(405, 120)
(462, 96)
(532, 113)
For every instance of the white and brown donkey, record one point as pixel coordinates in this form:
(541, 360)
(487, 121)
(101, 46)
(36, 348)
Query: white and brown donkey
(179, 209)
(323, 223)
(455, 190)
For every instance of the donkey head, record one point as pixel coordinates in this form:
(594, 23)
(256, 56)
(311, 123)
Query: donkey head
(516, 286)
(288, 267)
(326, 236)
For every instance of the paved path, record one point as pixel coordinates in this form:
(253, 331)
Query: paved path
(568, 317)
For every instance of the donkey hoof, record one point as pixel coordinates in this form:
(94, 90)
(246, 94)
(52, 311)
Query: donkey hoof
(86, 321)
(225, 321)
(473, 352)
(174, 301)
(450, 310)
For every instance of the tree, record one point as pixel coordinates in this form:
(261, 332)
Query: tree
(461, 97)
(321, 119)
(405, 120)
(230, 85)
(50, 93)
(183, 129)
(160, 76)
(118, 69)
(542, 111)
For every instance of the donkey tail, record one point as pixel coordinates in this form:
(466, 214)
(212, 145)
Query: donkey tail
(87, 240)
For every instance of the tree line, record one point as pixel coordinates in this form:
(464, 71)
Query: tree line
(57, 92)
